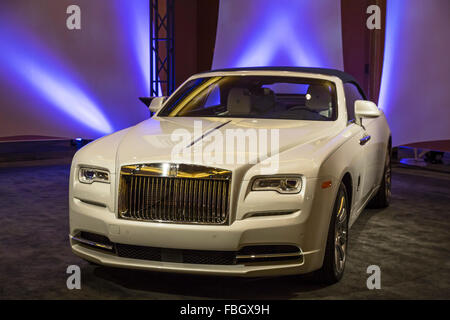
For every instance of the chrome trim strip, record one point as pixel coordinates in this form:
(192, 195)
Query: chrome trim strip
(175, 222)
(270, 255)
(175, 170)
(92, 203)
(91, 243)
(270, 213)
(207, 133)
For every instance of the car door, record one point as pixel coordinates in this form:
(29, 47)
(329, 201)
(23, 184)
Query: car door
(364, 141)
(371, 154)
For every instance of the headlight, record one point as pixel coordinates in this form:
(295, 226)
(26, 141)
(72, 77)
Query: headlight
(283, 184)
(89, 175)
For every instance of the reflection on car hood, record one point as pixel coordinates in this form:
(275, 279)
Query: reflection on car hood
(155, 140)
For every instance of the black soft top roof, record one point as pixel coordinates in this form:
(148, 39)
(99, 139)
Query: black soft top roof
(345, 77)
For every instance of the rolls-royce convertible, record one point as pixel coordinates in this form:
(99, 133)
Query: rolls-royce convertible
(241, 172)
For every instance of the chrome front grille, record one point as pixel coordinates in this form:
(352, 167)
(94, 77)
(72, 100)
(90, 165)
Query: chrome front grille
(178, 193)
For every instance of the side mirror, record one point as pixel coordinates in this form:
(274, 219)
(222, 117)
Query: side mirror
(154, 104)
(365, 109)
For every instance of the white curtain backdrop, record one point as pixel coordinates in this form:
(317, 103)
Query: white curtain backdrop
(415, 86)
(56, 82)
(279, 33)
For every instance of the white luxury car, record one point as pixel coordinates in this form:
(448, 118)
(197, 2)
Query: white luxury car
(175, 193)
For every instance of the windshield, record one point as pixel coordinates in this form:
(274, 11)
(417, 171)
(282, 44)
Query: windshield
(265, 97)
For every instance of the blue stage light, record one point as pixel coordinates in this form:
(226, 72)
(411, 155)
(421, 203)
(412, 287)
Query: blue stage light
(135, 21)
(415, 78)
(28, 63)
(276, 37)
(279, 33)
(393, 23)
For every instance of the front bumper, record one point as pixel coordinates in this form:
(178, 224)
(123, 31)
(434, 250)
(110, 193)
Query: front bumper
(301, 229)
(255, 270)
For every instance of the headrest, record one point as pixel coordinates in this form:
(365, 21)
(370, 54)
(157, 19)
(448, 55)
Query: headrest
(262, 92)
(263, 99)
(239, 101)
(318, 97)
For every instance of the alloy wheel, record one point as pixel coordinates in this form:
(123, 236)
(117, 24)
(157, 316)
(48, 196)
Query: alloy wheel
(387, 177)
(340, 240)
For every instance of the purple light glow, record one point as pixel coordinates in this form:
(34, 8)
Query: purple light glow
(414, 88)
(44, 74)
(274, 33)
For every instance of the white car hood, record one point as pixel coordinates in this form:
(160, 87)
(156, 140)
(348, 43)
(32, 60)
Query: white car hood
(152, 140)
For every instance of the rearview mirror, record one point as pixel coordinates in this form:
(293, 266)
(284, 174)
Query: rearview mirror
(154, 104)
(365, 109)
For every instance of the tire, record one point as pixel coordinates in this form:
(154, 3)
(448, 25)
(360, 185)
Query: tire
(337, 240)
(383, 197)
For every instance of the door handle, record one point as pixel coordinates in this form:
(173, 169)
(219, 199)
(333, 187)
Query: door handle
(364, 140)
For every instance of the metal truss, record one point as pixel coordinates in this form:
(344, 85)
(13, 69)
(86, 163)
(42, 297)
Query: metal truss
(162, 62)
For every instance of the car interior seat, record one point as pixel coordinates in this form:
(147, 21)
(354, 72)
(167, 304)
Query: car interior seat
(239, 101)
(318, 98)
(263, 100)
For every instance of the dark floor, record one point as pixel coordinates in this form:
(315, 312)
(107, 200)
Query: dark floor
(36, 150)
(410, 241)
